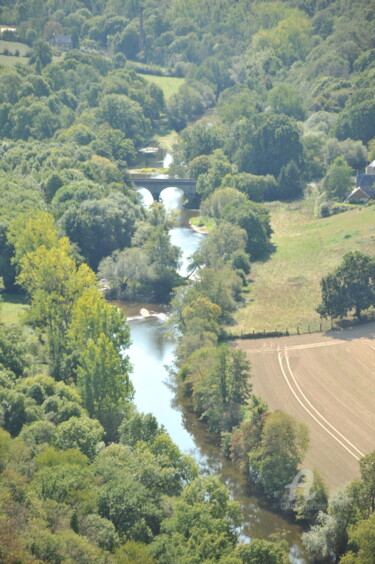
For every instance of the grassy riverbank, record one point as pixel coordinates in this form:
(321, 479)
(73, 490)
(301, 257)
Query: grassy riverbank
(285, 289)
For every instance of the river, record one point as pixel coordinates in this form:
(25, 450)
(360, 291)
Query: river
(151, 353)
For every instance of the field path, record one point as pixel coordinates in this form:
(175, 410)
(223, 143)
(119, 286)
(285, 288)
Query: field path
(328, 382)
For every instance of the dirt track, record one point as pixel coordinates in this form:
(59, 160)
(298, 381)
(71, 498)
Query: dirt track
(328, 382)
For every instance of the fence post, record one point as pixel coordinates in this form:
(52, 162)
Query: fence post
(297, 330)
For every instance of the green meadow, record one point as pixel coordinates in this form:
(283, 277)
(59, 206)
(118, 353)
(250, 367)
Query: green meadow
(12, 308)
(169, 84)
(13, 46)
(284, 290)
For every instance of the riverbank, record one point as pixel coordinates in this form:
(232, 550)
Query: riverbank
(155, 391)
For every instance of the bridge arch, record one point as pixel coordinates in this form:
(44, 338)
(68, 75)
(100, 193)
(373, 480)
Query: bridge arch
(146, 196)
(157, 185)
(172, 196)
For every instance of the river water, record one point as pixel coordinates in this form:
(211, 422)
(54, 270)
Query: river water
(152, 354)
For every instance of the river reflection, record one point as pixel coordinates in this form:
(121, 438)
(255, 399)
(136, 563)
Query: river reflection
(152, 354)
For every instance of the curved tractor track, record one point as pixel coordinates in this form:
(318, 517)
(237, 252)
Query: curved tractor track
(328, 382)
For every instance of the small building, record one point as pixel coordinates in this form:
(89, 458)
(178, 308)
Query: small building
(360, 196)
(370, 169)
(7, 28)
(63, 42)
(365, 181)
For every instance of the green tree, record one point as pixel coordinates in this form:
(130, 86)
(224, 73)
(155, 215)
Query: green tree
(285, 99)
(255, 220)
(98, 337)
(308, 509)
(283, 446)
(129, 506)
(267, 142)
(257, 188)
(42, 51)
(220, 245)
(99, 227)
(220, 385)
(362, 538)
(14, 349)
(51, 277)
(290, 184)
(31, 230)
(54, 283)
(328, 538)
(203, 525)
(248, 434)
(357, 122)
(363, 489)
(219, 166)
(125, 114)
(5, 440)
(199, 139)
(261, 552)
(338, 180)
(79, 432)
(350, 286)
(140, 427)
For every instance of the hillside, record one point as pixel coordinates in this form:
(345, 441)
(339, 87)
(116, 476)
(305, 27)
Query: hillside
(285, 289)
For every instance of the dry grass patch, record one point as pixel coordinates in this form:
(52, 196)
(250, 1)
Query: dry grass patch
(327, 381)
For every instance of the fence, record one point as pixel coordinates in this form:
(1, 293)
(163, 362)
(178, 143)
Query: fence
(303, 328)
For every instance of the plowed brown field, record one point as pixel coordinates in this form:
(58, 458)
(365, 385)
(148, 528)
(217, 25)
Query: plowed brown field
(328, 382)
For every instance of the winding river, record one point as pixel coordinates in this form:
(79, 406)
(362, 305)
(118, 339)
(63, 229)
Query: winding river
(151, 353)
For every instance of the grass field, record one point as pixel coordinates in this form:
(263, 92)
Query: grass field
(11, 308)
(285, 289)
(326, 381)
(168, 84)
(167, 138)
(13, 46)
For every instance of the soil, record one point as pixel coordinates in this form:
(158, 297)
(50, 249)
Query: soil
(328, 382)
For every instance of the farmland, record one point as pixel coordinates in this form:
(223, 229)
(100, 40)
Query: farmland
(328, 382)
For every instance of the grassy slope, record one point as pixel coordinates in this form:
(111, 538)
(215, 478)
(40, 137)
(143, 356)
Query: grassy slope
(10, 60)
(12, 46)
(168, 84)
(285, 290)
(11, 309)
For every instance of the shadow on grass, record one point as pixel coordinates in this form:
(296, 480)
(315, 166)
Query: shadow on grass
(19, 299)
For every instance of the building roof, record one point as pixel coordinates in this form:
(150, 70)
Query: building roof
(365, 181)
(357, 194)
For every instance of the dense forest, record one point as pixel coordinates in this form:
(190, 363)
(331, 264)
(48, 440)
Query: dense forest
(277, 101)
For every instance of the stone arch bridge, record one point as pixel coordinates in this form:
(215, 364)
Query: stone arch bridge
(157, 185)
